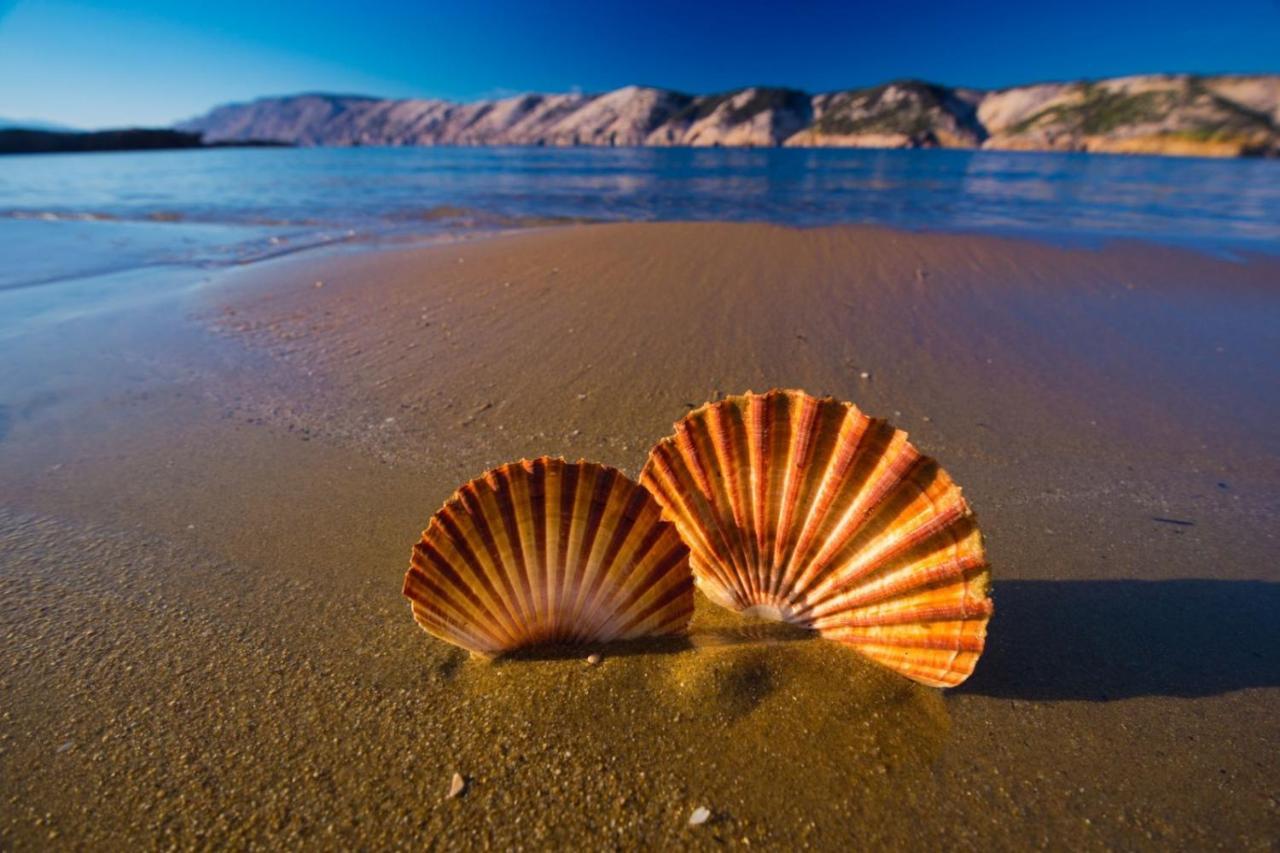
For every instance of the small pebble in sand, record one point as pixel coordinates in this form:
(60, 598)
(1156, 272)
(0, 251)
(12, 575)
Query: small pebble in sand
(456, 786)
(926, 419)
(866, 374)
(593, 659)
(700, 816)
(319, 284)
(582, 396)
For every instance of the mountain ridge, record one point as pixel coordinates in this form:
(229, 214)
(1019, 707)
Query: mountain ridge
(1177, 114)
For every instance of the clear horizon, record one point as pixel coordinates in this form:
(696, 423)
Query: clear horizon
(143, 62)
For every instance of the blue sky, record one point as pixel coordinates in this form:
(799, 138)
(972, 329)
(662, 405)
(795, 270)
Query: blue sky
(94, 64)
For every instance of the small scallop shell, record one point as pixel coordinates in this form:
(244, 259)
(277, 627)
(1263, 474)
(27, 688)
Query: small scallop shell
(547, 551)
(806, 510)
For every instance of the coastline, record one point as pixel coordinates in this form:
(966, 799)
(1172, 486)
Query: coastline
(210, 502)
(1155, 147)
(1166, 114)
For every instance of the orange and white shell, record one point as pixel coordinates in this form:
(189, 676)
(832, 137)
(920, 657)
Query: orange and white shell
(547, 551)
(806, 510)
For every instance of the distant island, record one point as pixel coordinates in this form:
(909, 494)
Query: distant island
(1173, 114)
(26, 140)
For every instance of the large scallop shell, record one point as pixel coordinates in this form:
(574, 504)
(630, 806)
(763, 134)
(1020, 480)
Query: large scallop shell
(547, 551)
(806, 510)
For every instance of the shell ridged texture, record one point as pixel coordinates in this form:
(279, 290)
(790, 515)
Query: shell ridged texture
(807, 510)
(546, 551)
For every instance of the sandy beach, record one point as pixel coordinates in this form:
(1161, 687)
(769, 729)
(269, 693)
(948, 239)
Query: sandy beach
(209, 499)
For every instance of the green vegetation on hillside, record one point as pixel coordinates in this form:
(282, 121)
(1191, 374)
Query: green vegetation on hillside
(870, 111)
(1101, 111)
(761, 99)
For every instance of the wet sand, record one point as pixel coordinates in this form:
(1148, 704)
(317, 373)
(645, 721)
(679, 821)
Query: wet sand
(209, 499)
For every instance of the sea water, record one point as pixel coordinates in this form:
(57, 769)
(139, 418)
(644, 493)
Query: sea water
(75, 215)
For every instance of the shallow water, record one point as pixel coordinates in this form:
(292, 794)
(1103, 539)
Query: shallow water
(75, 214)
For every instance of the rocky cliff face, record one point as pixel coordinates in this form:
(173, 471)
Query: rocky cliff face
(1157, 114)
(1164, 114)
(756, 117)
(907, 114)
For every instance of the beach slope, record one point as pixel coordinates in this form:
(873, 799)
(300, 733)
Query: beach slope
(209, 501)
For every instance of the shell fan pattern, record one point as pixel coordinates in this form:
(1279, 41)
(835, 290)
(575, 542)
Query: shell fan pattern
(806, 510)
(545, 551)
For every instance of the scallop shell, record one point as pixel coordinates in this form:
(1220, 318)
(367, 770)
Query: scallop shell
(547, 551)
(806, 510)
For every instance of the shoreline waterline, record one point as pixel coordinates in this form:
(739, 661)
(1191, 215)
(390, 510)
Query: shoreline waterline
(166, 206)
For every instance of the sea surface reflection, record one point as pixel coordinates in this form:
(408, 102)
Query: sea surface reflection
(219, 206)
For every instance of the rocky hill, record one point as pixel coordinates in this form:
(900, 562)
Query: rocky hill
(906, 114)
(1223, 116)
(1156, 114)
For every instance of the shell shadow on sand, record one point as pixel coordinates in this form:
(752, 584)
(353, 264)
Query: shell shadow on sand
(731, 713)
(1072, 640)
(751, 633)
(1105, 640)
